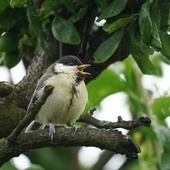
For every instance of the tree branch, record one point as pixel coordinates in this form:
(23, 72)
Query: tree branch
(5, 89)
(142, 121)
(10, 115)
(111, 140)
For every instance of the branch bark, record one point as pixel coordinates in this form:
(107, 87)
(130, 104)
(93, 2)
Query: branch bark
(5, 89)
(10, 115)
(142, 121)
(111, 140)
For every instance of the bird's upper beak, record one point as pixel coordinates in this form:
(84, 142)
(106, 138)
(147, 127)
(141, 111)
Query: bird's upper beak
(81, 68)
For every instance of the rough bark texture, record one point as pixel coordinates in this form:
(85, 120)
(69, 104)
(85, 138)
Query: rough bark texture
(104, 139)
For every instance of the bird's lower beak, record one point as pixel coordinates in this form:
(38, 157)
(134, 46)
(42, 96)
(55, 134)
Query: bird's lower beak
(81, 68)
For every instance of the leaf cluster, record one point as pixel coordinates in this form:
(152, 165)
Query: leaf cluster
(141, 25)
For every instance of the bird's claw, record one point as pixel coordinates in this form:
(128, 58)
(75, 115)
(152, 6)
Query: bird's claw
(74, 127)
(51, 131)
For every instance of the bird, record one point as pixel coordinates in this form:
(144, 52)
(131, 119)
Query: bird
(69, 96)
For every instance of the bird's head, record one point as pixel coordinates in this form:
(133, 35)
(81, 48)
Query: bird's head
(71, 65)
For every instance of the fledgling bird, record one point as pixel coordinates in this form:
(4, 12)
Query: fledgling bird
(69, 96)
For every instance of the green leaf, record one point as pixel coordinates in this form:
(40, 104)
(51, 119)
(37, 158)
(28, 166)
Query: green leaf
(160, 108)
(108, 47)
(165, 39)
(79, 15)
(48, 6)
(115, 8)
(4, 5)
(35, 167)
(155, 14)
(9, 42)
(107, 83)
(69, 5)
(164, 6)
(145, 23)
(8, 165)
(155, 19)
(64, 31)
(7, 19)
(143, 61)
(11, 59)
(156, 41)
(157, 61)
(146, 49)
(139, 56)
(17, 3)
(164, 140)
(117, 24)
(35, 24)
(102, 3)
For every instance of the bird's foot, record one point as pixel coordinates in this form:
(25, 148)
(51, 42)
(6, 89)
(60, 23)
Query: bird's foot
(51, 130)
(74, 126)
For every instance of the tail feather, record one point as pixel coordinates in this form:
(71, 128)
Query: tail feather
(34, 126)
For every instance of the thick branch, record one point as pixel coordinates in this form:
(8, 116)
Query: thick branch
(5, 89)
(111, 140)
(23, 90)
(10, 115)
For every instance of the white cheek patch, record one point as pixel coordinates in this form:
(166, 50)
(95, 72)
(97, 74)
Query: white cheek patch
(60, 68)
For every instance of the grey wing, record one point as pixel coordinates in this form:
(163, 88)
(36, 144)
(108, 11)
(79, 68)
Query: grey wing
(34, 96)
(40, 85)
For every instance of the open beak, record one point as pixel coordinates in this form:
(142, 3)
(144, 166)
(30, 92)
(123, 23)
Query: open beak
(81, 68)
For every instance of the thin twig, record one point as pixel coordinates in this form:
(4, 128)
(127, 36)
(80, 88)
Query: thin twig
(142, 121)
